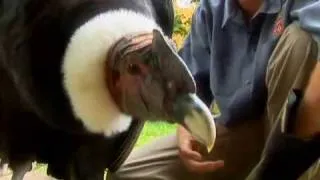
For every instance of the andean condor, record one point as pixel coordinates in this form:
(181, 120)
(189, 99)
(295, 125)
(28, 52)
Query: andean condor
(79, 77)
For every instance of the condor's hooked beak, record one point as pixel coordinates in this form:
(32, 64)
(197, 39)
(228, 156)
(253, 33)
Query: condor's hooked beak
(187, 109)
(193, 114)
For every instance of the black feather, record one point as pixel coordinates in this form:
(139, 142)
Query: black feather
(36, 122)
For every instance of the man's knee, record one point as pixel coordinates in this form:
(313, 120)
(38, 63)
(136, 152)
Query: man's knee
(294, 56)
(299, 42)
(304, 53)
(295, 33)
(290, 67)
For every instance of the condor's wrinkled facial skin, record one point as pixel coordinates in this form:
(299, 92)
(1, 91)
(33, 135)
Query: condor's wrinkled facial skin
(148, 80)
(147, 76)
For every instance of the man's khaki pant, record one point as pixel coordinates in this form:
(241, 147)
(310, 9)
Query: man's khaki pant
(240, 147)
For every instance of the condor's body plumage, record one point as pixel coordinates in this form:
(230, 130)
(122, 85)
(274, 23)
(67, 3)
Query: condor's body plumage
(79, 77)
(36, 119)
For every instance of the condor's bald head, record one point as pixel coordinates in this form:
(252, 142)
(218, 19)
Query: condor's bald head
(145, 75)
(113, 72)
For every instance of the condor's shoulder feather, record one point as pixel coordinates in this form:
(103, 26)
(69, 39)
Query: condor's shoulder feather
(31, 48)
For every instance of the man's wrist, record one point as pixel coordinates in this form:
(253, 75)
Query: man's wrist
(182, 132)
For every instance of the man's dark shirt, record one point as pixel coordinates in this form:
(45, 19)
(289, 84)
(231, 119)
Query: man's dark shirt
(236, 53)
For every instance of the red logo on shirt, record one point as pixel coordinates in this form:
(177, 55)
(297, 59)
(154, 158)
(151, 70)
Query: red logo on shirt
(278, 27)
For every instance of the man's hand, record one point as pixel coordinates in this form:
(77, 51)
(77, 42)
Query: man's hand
(190, 156)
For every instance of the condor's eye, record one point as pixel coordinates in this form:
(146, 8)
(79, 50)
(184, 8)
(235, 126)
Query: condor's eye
(134, 69)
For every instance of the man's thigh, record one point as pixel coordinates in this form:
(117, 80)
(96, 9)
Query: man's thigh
(239, 147)
(156, 160)
(289, 68)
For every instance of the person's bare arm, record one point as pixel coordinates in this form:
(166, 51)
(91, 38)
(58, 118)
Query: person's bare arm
(308, 121)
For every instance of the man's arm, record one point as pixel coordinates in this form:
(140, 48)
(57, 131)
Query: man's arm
(308, 119)
(196, 48)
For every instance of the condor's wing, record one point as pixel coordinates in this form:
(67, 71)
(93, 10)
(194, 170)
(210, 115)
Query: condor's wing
(8, 10)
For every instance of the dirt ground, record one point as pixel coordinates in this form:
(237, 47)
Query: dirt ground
(30, 176)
